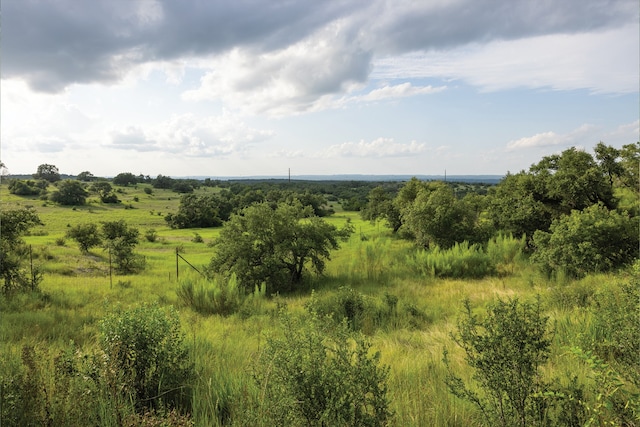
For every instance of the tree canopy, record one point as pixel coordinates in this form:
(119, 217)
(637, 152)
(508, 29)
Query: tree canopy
(275, 246)
(70, 192)
(48, 173)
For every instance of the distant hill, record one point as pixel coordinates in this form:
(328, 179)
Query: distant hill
(484, 179)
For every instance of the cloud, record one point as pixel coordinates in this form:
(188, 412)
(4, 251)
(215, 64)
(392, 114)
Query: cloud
(602, 62)
(295, 79)
(547, 139)
(268, 51)
(188, 135)
(380, 147)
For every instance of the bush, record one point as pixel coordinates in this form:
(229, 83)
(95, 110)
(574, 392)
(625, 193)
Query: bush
(87, 236)
(146, 346)
(151, 235)
(593, 240)
(506, 351)
(317, 373)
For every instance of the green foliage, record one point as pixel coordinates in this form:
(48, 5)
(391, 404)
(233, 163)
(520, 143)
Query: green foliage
(614, 404)
(151, 235)
(105, 192)
(593, 240)
(437, 218)
(13, 251)
(200, 211)
(125, 179)
(275, 247)
(146, 346)
(47, 172)
(87, 236)
(86, 176)
(460, 261)
(506, 350)
(616, 326)
(70, 192)
(317, 373)
(218, 296)
(28, 187)
(505, 251)
(120, 240)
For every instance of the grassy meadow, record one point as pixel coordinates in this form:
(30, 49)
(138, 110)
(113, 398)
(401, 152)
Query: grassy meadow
(77, 292)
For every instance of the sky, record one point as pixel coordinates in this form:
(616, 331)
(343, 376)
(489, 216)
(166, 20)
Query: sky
(260, 87)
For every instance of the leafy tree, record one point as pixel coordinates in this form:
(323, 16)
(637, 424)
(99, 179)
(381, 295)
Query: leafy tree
(47, 172)
(607, 158)
(13, 251)
(593, 240)
(380, 206)
(276, 247)
(181, 186)
(85, 176)
(630, 162)
(200, 211)
(120, 240)
(506, 350)
(165, 182)
(146, 347)
(105, 192)
(573, 180)
(69, 193)
(125, 179)
(437, 217)
(518, 205)
(87, 236)
(319, 373)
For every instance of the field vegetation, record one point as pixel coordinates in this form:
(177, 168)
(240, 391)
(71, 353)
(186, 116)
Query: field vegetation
(269, 303)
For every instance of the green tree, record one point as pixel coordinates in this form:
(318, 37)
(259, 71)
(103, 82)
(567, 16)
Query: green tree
(87, 236)
(275, 246)
(593, 240)
(105, 192)
(518, 205)
(380, 206)
(69, 193)
(85, 176)
(121, 240)
(47, 172)
(125, 179)
(317, 372)
(200, 211)
(506, 350)
(630, 162)
(437, 217)
(13, 251)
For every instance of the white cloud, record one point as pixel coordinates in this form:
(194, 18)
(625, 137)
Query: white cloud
(602, 62)
(550, 138)
(191, 136)
(380, 147)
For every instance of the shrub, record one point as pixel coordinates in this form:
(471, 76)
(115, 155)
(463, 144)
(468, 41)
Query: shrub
(146, 346)
(593, 240)
(317, 373)
(506, 351)
(87, 236)
(151, 235)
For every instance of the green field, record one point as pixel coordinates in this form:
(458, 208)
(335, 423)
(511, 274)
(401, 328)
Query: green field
(77, 292)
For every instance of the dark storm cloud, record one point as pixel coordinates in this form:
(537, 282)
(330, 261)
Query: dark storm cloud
(54, 43)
